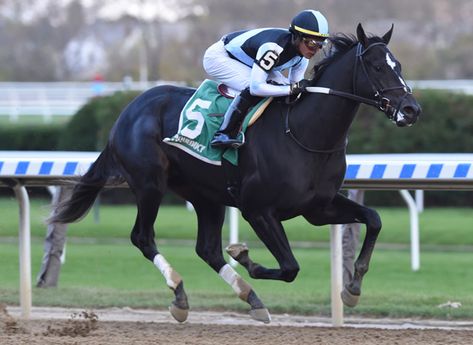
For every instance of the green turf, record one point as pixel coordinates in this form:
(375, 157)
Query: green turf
(105, 275)
(438, 226)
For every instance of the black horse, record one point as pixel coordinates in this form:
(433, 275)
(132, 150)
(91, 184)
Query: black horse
(293, 164)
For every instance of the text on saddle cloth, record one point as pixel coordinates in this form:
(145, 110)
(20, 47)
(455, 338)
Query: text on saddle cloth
(201, 117)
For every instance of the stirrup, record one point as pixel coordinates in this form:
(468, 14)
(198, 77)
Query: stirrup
(240, 142)
(224, 140)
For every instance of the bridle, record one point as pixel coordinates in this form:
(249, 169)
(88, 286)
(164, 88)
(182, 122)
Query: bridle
(379, 100)
(382, 102)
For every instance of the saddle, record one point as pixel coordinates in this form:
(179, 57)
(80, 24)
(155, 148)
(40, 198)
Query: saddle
(226, 91)
(202, 116)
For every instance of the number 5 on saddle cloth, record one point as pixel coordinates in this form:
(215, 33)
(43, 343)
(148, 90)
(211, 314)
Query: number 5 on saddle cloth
(201, 117)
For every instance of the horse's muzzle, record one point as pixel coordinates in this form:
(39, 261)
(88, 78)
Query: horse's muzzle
(406, 114)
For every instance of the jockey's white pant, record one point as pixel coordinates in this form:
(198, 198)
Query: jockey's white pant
(236, 75)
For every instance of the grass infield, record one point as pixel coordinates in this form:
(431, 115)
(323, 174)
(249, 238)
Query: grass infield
(438, 226)
(106, 275)
(103, 269)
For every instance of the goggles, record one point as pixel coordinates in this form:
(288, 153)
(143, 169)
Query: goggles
(313, 44)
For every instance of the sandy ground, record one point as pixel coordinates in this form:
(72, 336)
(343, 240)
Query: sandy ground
(126, 326)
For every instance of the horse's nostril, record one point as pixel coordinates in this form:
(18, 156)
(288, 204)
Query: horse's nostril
(414, 110)
(411, 111)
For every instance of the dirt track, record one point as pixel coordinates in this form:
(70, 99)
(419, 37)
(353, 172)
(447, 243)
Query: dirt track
(88, 328)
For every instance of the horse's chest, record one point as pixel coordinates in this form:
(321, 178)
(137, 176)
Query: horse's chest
(318, 190)
(321, 174)
(301, 187)
(294, 182)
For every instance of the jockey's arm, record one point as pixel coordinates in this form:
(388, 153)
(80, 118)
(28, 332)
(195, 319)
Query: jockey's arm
(260, 87)
(277, 78)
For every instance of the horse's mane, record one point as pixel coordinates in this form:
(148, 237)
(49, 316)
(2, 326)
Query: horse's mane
(339, 44)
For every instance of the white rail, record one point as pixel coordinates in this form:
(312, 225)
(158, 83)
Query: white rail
(58, 98)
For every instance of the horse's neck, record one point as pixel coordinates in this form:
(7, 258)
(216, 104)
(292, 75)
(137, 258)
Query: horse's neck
(326, 119)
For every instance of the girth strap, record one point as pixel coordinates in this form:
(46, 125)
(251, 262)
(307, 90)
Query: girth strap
(233, 180)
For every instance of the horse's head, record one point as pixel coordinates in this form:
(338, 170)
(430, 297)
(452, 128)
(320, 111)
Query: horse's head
(378, 76)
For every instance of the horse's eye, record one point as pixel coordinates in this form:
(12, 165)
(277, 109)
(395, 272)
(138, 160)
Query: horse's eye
(377, 68)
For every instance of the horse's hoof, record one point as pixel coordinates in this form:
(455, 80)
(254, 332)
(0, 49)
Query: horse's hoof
(349, 299)
(261, 315)
(178, 313)
(236, 249)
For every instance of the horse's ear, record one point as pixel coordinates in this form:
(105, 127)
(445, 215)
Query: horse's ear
(360, 33)
(387, 35)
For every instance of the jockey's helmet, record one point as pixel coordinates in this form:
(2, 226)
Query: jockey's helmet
(310, 23)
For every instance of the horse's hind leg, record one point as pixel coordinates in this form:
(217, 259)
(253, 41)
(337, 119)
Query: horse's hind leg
(209, 247)
(345, 211)
(148, 182)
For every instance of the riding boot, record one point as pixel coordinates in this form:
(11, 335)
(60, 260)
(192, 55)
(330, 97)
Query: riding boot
(227, 134)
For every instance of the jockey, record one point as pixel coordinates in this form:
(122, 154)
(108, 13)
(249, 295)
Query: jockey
(251, 62)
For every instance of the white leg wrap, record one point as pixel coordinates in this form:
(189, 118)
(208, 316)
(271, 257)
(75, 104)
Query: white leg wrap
(233, 279)
(172, 278)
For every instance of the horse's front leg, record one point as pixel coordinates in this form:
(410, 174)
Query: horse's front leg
(272, 234)
(345, 211)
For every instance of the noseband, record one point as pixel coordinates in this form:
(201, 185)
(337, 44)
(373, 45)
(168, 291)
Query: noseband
(379, 100)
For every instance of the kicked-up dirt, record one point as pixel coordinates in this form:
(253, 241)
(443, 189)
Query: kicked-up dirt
(87, 327)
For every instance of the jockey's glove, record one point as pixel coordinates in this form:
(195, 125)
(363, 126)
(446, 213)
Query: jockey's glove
(299, 87)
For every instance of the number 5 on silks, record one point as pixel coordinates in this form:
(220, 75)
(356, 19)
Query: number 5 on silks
(268, 60)
(193, 115)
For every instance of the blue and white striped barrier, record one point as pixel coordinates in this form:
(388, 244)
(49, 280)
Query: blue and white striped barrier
(44, 163)
(430, 168)
(410, 166)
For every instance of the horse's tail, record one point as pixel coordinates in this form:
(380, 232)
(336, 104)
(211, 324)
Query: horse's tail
(85, 191)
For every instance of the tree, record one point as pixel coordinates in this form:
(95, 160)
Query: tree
(169, 37)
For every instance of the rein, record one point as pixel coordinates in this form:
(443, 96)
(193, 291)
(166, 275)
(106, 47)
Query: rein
(328, 91)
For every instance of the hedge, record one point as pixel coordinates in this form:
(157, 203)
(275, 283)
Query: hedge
(88, 130)
(445, 126)
(30, 137)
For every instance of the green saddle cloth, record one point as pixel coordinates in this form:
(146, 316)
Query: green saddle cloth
(200, 119)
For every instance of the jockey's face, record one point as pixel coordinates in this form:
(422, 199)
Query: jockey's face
(309, 46)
